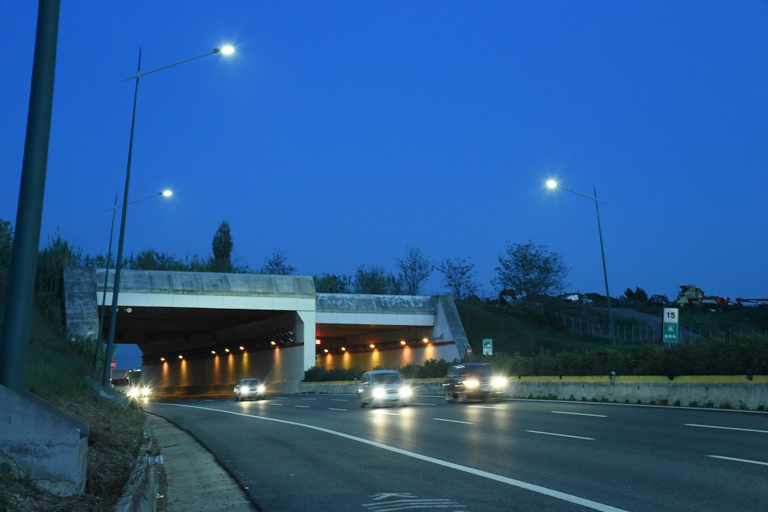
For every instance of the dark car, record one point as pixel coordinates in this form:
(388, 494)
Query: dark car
(249, 388)
(473, 381)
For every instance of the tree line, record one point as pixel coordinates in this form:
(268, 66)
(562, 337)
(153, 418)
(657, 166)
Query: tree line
(531, 270)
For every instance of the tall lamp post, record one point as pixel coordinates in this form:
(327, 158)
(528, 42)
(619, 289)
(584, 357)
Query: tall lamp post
(225, 50)
(164, 193)
(553, 185)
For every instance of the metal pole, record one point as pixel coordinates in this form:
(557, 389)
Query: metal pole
(104, 295)
(14, 341)
(605, 271)
(121, 238)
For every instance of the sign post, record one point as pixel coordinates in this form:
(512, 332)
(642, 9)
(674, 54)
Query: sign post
(487, 347)
(670, 320)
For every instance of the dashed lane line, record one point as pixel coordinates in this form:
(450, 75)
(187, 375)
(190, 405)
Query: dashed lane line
(728, 428)
(453, 421)
(734, 459)
(569, 498)
(580, 414)
(560, 435)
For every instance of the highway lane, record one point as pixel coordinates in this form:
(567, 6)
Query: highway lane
(323, 452)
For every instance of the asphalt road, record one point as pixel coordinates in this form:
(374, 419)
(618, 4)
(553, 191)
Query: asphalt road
(322, 452)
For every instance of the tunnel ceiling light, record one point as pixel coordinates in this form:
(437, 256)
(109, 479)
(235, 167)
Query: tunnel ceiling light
(213, 352)
(317, 341)
(242, 347)
(343, 349)
(273, 343)
(162, 359)
(402, 342)
(226, 350)
(181, 356)
(425, 340)
(372, 345)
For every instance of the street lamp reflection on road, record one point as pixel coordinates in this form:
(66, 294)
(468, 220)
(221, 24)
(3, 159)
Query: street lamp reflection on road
(553, 184)
(224, 50)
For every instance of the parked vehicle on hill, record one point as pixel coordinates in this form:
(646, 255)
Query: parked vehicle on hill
(380, 387)
(473, 381)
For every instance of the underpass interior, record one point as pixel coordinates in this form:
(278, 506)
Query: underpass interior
(207, 350)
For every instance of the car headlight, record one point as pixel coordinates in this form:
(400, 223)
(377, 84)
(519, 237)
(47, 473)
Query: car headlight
(379, 393)
(405, 392)
(471, 383)
(499, 382)
(145, 391)
(261, 388)
(133, 392)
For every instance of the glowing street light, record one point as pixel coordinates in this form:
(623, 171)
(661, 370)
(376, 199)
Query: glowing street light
(225, 50)
(164, 193)
(553, 184)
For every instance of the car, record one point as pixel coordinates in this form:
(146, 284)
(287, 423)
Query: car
(140, 390)
(380, 387)
(473, 381)
(249, 388)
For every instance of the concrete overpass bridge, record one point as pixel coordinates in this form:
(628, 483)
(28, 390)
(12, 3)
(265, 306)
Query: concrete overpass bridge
(201, 332)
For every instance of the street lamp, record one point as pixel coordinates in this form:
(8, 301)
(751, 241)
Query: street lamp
(164, 193)
(552, 184)
(224, 50)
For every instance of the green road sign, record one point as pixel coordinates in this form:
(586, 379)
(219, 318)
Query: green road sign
(487, 347)
(670, 323)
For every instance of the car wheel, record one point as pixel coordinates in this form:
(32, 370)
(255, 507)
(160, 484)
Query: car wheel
(362, 404)
(449, 396)
(461, 396)
(237, 398)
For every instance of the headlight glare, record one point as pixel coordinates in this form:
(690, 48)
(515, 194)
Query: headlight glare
(471, 383)
(499, 382)
(406, 392)
(379, 393)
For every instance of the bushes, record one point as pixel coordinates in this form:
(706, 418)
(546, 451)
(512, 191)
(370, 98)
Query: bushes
(746, 355)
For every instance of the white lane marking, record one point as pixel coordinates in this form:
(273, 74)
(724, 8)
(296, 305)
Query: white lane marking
(570, 498)
(279, 405)
(412, 503)
(309, 398)
(483, 407)
(337, 400)
(302, 406)
(727, 428)
(420, 403)
(390, 413)
(452, 421)
(580, 414)
(209, 400)
(739, 460)
(560, 435)
(335, 409)
(281, 398)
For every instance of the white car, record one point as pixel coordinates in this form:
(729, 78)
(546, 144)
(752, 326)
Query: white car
(249, 388)
(380, 387)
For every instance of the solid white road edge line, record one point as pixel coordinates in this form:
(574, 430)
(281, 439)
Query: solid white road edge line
(601, 507)
(727, 428)
(335, 409)
(739, 460)
(560, 435)
(580, 414)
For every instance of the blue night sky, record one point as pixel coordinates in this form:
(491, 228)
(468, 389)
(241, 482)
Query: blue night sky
(342, 132)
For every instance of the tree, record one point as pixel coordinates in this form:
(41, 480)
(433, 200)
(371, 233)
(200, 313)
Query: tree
(531, 270)
(459, 276)
(331, 283)
(414, 270)
(151, 259)
(376, 280)
(222, 248)
(638, 295)
(277, 265)
(6, 245)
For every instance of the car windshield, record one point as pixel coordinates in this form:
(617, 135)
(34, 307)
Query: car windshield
(250, 382)
(478, 371)
(385, 378)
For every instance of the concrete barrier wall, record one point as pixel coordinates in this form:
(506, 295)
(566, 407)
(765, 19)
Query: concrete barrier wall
(47, 443)
(726, 392)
